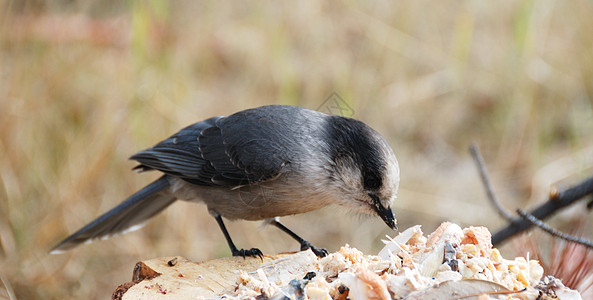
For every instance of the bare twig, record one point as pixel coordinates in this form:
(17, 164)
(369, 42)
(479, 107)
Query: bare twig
(555, 232)
(475, 152)
(556, 202)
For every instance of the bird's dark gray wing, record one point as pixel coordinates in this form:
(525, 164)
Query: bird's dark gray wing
(221, 151)
(259, 142)
(237, 158)
(179, 155)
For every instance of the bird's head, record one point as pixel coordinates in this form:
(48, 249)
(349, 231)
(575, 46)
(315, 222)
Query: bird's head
(363, 169)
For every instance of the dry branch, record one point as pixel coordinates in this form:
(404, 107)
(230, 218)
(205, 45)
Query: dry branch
(475, 152)
(556, 202)
(543, 226)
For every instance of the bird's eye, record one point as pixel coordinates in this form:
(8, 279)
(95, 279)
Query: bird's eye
(372, 182)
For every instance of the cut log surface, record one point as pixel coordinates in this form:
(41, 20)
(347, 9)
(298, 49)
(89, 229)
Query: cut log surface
(449, 263)
(176, 277)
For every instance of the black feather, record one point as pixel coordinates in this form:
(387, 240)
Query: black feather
(355, 141)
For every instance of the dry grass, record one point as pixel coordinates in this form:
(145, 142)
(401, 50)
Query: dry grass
(85, 85)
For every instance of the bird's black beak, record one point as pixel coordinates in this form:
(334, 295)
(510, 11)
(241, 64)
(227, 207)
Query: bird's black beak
(384, 212)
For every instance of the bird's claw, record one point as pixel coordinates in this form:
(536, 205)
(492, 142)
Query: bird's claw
(253, 252)
(320, 252)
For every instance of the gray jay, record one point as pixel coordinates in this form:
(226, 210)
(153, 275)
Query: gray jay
(260, 164)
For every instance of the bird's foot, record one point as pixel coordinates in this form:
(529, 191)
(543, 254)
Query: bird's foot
(320, 252)
(253, 252)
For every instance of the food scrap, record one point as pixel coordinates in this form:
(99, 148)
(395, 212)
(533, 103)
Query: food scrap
(449, 262)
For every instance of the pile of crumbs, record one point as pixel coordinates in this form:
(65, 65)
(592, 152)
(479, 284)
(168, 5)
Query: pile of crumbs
(450, 262)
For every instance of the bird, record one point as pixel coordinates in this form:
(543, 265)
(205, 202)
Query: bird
(260, 164)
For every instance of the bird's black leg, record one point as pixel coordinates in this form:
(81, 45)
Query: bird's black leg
(304, 244)
(251, 252)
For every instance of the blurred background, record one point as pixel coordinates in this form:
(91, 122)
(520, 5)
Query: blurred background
(85, 84)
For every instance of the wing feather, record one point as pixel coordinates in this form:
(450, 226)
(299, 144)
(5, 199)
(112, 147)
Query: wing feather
(247, 147)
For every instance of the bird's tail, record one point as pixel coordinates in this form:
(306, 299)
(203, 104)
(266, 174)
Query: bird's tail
(129, 215)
